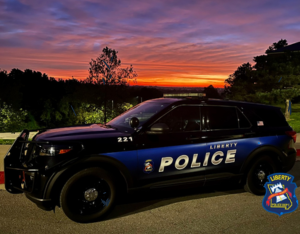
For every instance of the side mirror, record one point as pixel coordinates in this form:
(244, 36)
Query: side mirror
(158, 128)
(134, 122)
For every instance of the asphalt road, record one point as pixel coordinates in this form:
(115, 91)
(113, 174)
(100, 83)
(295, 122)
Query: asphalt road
(197, 210)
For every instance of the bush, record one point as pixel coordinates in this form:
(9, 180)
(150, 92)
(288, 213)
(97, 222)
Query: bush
(11, 120)
(31, 123)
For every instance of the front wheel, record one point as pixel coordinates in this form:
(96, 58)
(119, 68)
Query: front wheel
(88, 195)
(258, 175)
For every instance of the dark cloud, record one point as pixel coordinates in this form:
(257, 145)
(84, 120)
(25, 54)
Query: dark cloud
(15, 6)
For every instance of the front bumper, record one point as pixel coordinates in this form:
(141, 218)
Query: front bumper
(45, 204)
(19, 179)
(30, 182)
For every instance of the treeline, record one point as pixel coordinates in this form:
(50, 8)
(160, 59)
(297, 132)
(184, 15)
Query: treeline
(273, 79)
(30, 99)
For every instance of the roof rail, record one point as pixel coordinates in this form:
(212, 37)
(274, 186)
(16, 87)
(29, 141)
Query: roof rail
(185, 95)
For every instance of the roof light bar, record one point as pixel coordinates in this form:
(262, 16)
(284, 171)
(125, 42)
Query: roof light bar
(184, 95)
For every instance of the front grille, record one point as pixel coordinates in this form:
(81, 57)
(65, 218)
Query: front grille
(29, 180)
(30, 152)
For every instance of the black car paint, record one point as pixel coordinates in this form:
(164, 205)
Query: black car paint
(50, 174)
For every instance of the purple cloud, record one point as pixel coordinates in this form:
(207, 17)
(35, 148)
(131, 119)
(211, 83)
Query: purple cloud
(160, 38)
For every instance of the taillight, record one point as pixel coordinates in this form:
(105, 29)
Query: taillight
(293, 134)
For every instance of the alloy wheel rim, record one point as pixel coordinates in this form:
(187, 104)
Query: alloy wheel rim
(261, 173)
(89, 196)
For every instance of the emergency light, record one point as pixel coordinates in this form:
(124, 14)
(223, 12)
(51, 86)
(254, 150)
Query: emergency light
(184, 94)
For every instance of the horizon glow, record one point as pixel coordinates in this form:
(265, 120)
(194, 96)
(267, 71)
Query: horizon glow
(169, 43)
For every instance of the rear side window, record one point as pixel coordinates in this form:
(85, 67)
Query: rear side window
(182, 119)
(244, 123)
(218, 117)
(269, 117)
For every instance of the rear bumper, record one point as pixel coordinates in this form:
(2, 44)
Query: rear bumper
(289, 161)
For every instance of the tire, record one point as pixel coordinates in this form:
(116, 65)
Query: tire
(262, 167)
(88, 195)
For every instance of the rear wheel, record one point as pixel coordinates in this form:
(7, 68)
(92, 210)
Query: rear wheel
(258, 175)
(88, 195)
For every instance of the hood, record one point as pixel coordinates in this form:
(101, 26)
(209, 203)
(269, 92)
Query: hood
(93, 131)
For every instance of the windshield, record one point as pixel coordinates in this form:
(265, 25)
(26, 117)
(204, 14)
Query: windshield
(142, 111)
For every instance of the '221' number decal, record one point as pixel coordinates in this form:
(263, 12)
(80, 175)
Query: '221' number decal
(124, 139)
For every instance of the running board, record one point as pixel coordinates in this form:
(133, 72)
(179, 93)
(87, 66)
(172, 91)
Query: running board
(186, 181)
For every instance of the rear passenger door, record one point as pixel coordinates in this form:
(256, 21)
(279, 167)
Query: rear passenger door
(227, 132)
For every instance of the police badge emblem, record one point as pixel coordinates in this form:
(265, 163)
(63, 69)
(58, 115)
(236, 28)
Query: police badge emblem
(280, 195)
(148, 166)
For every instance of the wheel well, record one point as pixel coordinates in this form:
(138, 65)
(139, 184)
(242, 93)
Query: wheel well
(273, 155)
(66, 175)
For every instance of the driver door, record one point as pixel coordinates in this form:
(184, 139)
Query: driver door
(176, 154)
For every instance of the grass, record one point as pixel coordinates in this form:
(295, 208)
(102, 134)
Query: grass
(8, 141)
(295, 116)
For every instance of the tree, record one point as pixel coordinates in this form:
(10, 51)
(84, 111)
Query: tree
(89, 113)
(277, 45)
(146, 93)
(271, 80)
(279, 76)
(105, 71)
(3, 83)
(211, 92)
(33, 91)
(241, 83)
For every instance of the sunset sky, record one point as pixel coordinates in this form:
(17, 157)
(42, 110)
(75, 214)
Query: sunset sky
(169, 43)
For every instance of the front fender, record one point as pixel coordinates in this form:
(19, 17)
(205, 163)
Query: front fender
(58, 179)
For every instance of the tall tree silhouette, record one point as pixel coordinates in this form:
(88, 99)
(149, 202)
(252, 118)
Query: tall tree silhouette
(106, 72)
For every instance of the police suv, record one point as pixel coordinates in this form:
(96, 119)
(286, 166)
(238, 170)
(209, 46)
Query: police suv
(168, 141)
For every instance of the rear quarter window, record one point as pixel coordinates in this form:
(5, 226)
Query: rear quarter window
(271, 117)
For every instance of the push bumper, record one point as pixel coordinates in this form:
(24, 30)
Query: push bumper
(20, 179)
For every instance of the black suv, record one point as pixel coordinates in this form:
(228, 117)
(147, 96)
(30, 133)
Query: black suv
(161, 142)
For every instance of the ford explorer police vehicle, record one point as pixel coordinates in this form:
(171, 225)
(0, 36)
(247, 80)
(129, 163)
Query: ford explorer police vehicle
(162, 142)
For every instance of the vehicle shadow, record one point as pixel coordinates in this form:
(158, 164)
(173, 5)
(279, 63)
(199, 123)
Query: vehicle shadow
(151, 199)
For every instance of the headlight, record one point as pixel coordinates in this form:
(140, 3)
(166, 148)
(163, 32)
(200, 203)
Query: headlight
(50, 150)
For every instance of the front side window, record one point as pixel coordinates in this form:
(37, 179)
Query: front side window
(218, 117)
(182, 119)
